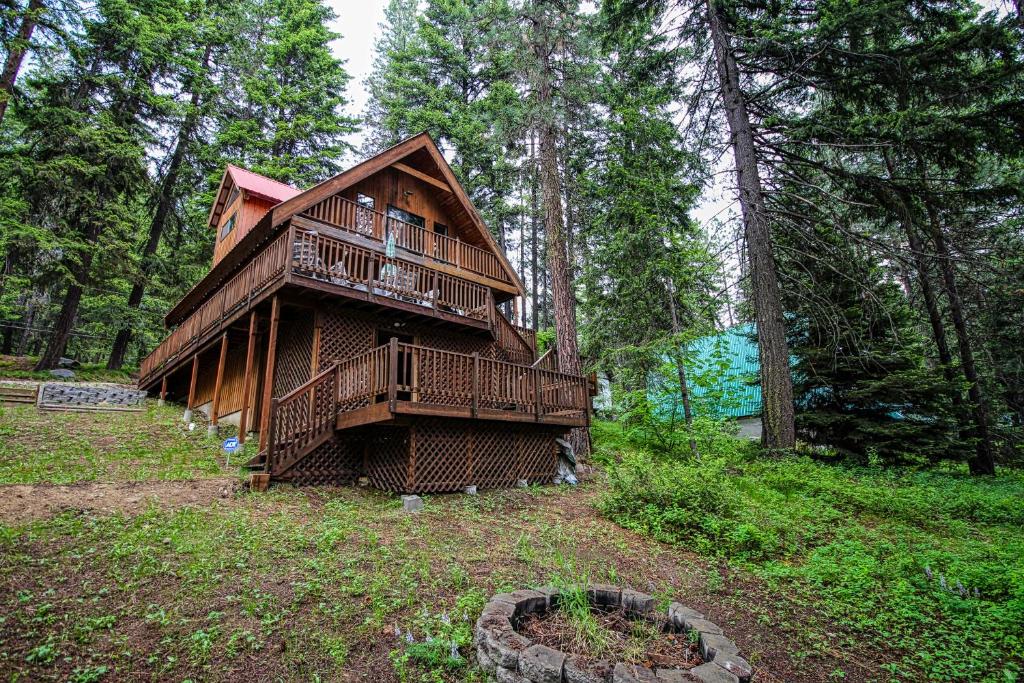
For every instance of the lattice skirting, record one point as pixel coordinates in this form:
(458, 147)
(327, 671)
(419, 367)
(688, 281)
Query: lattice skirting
(448, 455)
(337, 462)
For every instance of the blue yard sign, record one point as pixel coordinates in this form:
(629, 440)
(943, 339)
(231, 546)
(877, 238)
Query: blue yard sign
(231, 444)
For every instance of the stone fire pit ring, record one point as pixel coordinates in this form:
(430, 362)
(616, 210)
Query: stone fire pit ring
(513, 658)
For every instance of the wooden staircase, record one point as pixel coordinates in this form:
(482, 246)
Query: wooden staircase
(300, 422)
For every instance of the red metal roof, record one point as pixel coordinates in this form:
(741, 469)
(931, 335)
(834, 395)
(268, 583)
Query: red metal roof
(262, 186)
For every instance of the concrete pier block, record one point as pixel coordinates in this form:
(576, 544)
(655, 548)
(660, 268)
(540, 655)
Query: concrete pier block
(412, 503)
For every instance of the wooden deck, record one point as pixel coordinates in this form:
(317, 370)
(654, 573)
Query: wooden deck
(343, 264)
(398, 381)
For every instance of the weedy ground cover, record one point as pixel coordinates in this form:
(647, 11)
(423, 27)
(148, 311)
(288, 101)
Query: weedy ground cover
(320, 583)
(926, 564)
(66, 447)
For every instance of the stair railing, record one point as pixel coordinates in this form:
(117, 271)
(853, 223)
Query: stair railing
(300, 418)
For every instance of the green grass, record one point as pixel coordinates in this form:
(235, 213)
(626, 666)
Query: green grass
(67, 447)
(815, 570)
(928, 563)
(303, 584)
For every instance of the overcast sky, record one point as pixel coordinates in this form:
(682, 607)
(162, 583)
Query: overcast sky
(359, 25)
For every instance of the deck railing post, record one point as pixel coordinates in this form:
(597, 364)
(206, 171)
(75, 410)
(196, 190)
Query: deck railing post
(490, 312)
(393, 374)
(270, 436)
(476, 384)
(337, 390)
(536, 394)
(369, 276)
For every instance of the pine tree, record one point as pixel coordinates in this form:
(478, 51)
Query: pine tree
(86, 133)
(284, 102)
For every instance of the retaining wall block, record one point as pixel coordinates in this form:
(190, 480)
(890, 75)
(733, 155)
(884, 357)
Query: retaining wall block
(541, 664)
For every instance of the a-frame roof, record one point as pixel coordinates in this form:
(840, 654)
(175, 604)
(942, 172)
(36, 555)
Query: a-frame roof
(426, 158)
(421, 153)
(265, 188)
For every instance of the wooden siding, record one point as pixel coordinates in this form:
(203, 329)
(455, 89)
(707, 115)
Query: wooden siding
(390, 186)
(234, 370)
(248, 210)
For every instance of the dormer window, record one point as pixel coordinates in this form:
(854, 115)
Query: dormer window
(228, 226)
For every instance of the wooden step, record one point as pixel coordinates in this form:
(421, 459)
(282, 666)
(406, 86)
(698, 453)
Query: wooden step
(256, 462)
(18, 395)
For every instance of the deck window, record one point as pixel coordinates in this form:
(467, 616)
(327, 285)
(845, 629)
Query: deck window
(401, 231)
(228, 226)
(441, 229)
(411, 218)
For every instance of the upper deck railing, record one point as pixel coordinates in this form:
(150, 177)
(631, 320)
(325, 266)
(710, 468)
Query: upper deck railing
(345, 214)
(333, 261)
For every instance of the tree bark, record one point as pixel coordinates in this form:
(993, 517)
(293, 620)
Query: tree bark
(534, 290)
(165, 201)
(776, 382)
(931, 302)
(12, 65)
(563, 297)
(69, 309)
(983, 461)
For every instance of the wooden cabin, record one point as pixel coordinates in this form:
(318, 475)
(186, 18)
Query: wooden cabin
(356, 327)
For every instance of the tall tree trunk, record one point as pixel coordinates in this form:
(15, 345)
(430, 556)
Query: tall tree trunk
(563, 297)
(19, 46)
(534, 286)
(983, 461)
(931, 302)
(69, 309)
(776, 381)
(165, 201)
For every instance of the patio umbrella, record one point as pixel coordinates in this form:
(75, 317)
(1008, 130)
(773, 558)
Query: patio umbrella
(389, 251)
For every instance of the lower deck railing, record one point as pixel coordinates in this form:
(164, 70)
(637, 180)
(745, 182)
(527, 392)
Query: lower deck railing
(396, 374)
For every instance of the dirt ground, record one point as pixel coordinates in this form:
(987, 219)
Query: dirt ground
(26, 502)
(373, 566)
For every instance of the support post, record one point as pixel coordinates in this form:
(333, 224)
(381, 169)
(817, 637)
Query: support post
(393, 374)
(536, 394)
(476, 384)
(491, 312)
(267, 466)
(268, 377)
(369, 277)
(217, 385)
(250, 354)
(192, 389)
(314, 360)
(163, 391)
